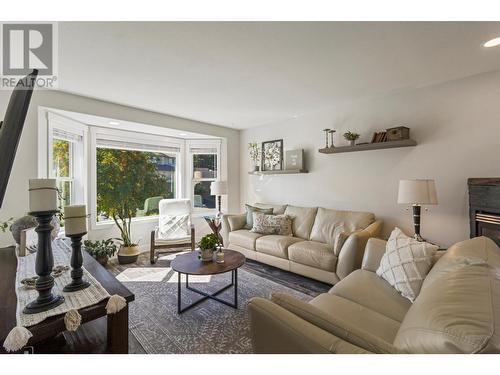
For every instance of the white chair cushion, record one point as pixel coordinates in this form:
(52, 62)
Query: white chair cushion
(173, 227)
(175, 219)
(405, 263)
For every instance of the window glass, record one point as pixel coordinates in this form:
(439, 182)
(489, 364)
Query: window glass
(64, 187)
(61, 154)
(138, 179)
(204, 166)
(201, 196)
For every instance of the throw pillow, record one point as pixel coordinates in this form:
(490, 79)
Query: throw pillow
(272, 224)
(406, 263)
(236, 222)
(251, 210)
(174, 227)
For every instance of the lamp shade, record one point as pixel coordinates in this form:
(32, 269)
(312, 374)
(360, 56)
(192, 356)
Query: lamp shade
(417, 192)
(218, 188)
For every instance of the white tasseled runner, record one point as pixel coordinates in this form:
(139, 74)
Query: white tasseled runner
(72, 301)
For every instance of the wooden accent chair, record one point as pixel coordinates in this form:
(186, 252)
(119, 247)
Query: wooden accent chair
(175, 231)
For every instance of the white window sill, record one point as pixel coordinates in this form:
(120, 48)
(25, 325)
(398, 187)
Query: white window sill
(101, 225)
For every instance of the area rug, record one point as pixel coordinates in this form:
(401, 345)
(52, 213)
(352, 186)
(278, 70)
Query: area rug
(210, 327)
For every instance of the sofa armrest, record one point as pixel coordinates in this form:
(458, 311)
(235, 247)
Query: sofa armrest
(374, 251)
(344, 329)
(351, 254)
(231, 222)
(275, 330)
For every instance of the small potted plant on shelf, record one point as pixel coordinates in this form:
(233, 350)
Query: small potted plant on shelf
(5, 224)
(254, 153)
(101, 250)
(351, 137)
(208, 245)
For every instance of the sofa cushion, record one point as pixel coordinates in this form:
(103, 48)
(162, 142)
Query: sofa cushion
(328, 224)
(344, 319)
(458, 309)
(244, 238)
(278, 209)
(272, 224)
(275, 245)
(237, 222)
(373, 292)
(314, 254)
(303, 220)
(406, 263)
(250, 210)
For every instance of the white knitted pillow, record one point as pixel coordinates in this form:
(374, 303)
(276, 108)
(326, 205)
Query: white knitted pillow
(406, 263)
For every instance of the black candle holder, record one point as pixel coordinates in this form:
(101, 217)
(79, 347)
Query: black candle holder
(78, 282)
(43, 266)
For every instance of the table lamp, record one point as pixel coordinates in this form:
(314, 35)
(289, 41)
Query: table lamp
(218, 188)
(417, 193)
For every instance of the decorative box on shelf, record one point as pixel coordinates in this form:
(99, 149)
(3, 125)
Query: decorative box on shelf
(398, 133)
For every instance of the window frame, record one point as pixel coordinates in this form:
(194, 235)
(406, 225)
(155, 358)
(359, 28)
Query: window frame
(191, 147)
(78, 154)
(132, 137)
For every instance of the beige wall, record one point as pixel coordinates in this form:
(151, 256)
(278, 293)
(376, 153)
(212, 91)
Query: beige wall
(456, 125)
(25, 166)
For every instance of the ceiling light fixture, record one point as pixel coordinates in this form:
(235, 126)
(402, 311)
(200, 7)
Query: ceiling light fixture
(492, 43)
(113, 123)
(182, 134)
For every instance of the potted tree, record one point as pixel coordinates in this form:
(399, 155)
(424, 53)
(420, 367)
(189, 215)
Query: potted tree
(101, 250)
(208, 245)
(125, 179)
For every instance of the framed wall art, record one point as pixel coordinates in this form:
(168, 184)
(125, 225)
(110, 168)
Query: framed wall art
(272, 155)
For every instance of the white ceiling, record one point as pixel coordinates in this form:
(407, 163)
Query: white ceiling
(245, 74)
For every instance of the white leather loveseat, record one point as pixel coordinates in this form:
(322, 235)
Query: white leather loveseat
(326, 245)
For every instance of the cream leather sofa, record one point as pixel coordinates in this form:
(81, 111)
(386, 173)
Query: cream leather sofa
(457, 310)
(326, 245)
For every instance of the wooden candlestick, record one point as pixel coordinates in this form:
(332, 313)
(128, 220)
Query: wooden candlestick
(77, 283)
(43, 266)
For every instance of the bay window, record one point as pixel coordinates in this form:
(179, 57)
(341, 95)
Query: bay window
(204, 168)
(66, 158)
(145, 168)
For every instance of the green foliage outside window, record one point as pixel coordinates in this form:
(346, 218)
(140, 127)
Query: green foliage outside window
(125, 179)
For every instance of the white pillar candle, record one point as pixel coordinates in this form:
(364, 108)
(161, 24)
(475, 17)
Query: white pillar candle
(75, 219)
(43, 194)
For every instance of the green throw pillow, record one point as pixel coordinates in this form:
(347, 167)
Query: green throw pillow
(251, 210)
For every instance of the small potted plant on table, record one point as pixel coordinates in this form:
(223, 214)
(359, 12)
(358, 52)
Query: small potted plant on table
(208, 245)
(101, 250)
(351, 137)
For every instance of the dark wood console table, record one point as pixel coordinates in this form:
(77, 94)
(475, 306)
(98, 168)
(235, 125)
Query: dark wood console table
(117, 324)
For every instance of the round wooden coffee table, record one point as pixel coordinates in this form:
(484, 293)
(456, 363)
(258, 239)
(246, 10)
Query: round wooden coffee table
(190, 264)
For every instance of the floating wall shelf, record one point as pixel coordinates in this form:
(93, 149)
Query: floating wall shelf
(369, 146)
(284, 171)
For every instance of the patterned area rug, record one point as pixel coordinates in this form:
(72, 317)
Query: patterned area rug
(210, 327)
